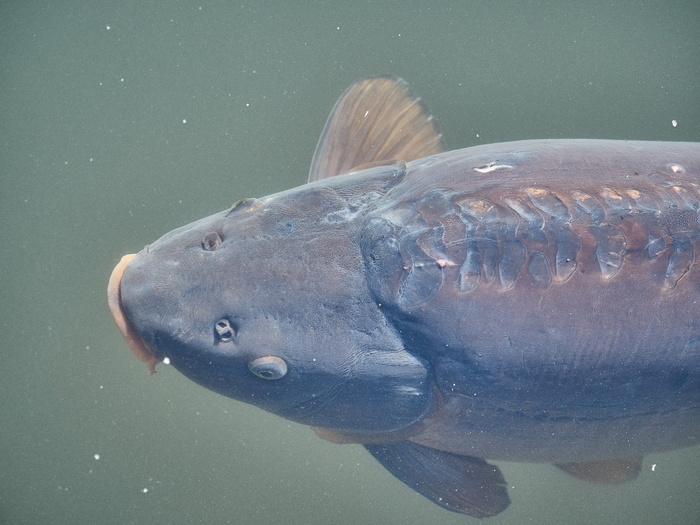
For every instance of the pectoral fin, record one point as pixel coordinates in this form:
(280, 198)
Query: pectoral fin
(605, 472)
(375, 120)
(463, 484)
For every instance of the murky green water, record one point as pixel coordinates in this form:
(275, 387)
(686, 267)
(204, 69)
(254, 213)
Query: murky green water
(121, 121)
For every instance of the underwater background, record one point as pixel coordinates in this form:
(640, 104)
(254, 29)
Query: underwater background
(120, 121)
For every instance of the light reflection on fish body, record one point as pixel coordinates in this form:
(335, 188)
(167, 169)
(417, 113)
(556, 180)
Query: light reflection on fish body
(524, 301)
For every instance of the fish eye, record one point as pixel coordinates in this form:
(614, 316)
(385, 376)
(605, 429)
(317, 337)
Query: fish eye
(224, 330)
(211, 242)
(268, 367)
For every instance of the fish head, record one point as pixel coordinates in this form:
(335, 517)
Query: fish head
(268, 303)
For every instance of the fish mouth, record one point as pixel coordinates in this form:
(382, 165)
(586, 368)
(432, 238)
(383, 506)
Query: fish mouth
(138, 346)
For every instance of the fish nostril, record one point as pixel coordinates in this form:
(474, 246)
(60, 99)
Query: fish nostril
(224, 330)
(211, 242)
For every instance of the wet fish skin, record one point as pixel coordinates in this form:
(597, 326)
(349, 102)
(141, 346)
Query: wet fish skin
(348, 277)
(524, 301)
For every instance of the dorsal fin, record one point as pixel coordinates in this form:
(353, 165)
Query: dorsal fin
(375, 120)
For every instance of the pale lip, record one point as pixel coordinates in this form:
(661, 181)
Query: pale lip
(137, 345)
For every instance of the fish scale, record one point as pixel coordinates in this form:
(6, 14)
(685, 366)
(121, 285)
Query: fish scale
(536, 300)
(536, 232)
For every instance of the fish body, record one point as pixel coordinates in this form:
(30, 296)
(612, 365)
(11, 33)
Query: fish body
(525, 301)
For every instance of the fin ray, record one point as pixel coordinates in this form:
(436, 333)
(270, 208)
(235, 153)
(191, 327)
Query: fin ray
(463, 484)
(375, 120)
(605, 472)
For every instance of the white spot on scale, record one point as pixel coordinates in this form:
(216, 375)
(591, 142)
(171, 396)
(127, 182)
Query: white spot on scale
(444, 262)
(408, 390)
(492, 166)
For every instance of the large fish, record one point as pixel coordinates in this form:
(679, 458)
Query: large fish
(525, 301)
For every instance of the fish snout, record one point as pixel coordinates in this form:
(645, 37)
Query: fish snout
(138, 346)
